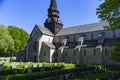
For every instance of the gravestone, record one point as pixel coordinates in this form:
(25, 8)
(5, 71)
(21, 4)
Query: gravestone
(26, 66)
(34, 66)
(30, 71)
(14, 66)
(51, 67)
(55, 64)
(40, 65)
(42, 69)
(1, 66)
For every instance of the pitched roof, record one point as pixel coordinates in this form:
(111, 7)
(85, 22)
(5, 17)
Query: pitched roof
(83, 28)
(45, 30)
(49, 45)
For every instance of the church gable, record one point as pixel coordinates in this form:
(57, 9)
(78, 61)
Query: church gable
(36, 33)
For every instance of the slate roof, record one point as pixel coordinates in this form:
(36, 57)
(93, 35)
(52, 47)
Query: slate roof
(82, 29)
(45, 30)
(49, 45)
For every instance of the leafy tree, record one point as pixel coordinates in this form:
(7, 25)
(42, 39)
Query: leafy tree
(115, 53)
(109, 11)
(6, 41)
(20, 38)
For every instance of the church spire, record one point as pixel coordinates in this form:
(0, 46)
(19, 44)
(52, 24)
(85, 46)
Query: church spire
(53, 22)
(53, 4)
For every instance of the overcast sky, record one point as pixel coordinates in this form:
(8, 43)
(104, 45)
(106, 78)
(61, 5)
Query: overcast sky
(26, 13)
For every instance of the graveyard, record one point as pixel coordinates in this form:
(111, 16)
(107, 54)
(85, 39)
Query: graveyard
(57, 71)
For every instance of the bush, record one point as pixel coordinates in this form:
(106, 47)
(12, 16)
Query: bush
(32, 76)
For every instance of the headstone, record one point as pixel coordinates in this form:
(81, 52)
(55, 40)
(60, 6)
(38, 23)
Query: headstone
(14, 66)
(55, 64)
(66, 76)
(1, 66)
(40, 65)
(29, 70)
(34, 65)
(51, 67)
(28, 62)
(26, 66)
(42, 69)
(15, 71)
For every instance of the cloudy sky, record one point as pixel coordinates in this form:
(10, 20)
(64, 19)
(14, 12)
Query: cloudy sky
(26, 13)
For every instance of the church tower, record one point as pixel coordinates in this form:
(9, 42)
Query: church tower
(53, 22)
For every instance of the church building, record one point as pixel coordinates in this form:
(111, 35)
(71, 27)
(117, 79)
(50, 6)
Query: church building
(83, 44)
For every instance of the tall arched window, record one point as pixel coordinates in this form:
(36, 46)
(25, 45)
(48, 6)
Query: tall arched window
(94, 52)
(35, 46)
(84, 52)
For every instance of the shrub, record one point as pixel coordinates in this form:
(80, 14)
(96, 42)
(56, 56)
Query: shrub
(38, 75)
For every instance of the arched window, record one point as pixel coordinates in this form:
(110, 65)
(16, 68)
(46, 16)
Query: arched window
(94, 52)
(91, 35)
(74, 53)
(84, 52)
(35, 46)
(66, 53)
(106, 51)
(44, 53)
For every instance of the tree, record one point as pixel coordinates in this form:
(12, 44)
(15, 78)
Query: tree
(6, 41)
(110, 11)
(115, 53)
(20, 38)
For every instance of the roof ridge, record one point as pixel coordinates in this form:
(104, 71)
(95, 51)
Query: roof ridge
(85, 25)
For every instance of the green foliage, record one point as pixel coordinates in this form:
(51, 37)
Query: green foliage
(69, 66)
(110, 75)
(20, 38)
(38, 75)
(110, 11)
(115, 53)
(6, 41)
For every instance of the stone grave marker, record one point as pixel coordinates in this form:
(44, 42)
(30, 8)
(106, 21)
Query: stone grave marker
(26, 66)
(34, 66)
(40, 65)
(42, 69)
(14, 66)
(30, 71)
(1, 66)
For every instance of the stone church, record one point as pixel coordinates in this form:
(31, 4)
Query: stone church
(84, 44)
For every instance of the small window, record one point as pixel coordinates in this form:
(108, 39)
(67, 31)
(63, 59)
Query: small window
(106, 52)
(74, 53)
(101, 34)
(44, 53)
(94, 52)
(84, 52)
(74, 38)
(66, 53)
(91, 35)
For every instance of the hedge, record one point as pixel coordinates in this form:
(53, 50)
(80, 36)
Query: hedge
(26, 70)
(110, 75)
(38, 75)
